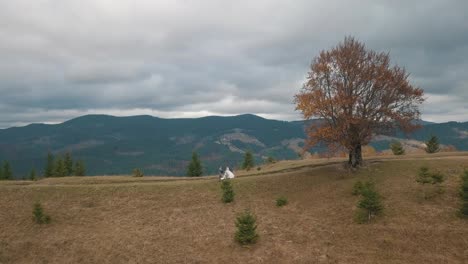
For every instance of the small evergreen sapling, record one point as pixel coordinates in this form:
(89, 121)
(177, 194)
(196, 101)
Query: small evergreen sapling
(270, 160)
(137, 173)
(7, 173)
(246, 224)
(228, 191)
(49, 168)
(32, 175)
(370, 202)
(281, 201)
(38, 214)
(79, 169)
(359, 187)
(397, 148)
(426, 177)
(68, 163)
(249, 161)
(432, 145)
(60, 170)
(195, 168)
(464, 195)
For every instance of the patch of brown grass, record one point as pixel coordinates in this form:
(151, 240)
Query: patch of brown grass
(148, 220)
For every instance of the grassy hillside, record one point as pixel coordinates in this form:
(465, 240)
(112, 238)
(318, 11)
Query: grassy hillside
(162, 220)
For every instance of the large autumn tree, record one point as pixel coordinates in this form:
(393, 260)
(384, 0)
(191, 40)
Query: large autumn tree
(355, 93)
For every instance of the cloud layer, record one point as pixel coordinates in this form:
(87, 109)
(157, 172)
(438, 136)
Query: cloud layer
(187, 58)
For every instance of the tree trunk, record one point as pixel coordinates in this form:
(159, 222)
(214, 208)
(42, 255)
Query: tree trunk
(355, 156)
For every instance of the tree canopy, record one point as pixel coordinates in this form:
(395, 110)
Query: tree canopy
(355, 93)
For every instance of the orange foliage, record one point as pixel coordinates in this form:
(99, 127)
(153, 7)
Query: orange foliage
(369, 151)
(355, 93)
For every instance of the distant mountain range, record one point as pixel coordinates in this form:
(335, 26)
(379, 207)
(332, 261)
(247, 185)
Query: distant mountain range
(116, 145)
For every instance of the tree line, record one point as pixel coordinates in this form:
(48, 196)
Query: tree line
(59, 166)
(62, 166)
(5, 171)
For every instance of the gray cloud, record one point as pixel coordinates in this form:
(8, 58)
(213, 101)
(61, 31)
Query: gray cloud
(184, 58)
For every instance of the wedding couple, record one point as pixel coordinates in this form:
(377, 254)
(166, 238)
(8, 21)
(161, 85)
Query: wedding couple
(226, 174)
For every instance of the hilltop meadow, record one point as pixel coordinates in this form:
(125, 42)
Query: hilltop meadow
(123, 219)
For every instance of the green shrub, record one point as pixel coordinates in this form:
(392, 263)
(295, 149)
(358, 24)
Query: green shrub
(432, 145)
(465, 175)
(435, 178)
(464, 195)
(270, 160)
(359, 187)
(464, 210)
(32, 175)
(464, 190)
(137, 173)
(423, 176)
(38, 214)
(79, 168)
(195, 168)
(228, 191)
(370, 204)
(397, 148)
(246, 228)
(281, 201)
(249, 161)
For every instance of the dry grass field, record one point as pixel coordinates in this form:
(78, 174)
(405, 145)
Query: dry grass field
(167, 220)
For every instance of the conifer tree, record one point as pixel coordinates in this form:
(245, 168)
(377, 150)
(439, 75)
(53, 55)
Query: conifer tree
(60, 170)
(1, 173)
(49, 168)
(249, 162)
(246, 228)
(432, 145)
(397, 148)
(228, 191)
(68, 162)
(370, 202)
(32, 175)
(38, 214)
(79, 169)
(425, 176)
(7, 173)
(194, 169)
(464, 195)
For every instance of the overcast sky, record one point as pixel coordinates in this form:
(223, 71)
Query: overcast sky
(189, 58)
